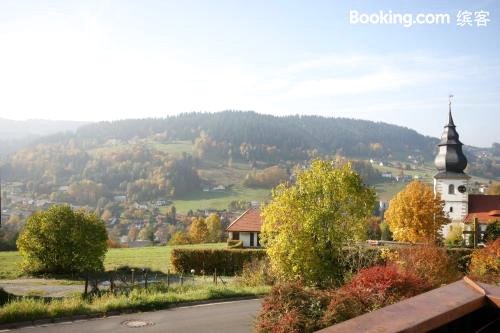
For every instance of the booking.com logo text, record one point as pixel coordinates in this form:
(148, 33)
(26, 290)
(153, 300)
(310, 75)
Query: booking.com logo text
(405, 19)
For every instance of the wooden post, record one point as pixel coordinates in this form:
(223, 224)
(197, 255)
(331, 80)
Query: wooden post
(86, 284)
(146, 279)
(215, 272)
(133, 280)
(476, 233)
(168, 278)
(112, 283)
(182, 279)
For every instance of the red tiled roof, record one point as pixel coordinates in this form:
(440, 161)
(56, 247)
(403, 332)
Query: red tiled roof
(485, 207)
(248, 221)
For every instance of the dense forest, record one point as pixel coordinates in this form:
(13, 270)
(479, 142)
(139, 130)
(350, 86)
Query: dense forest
(106, 158)
(254, 135)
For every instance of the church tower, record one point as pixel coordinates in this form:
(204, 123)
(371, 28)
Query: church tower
(451, 182)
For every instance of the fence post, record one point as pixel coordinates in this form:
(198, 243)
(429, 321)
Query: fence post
(112, 283)
(86, 284)
(182, 279)
(168, 278)
(215, 274)
(133, 280)
(146, 278)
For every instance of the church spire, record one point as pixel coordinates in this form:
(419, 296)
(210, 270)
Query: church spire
(450, 158)
(450, 117)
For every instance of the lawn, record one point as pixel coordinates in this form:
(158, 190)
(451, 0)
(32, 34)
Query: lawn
(219, 199)
(9, 268)
(156, 258)
(156, 297)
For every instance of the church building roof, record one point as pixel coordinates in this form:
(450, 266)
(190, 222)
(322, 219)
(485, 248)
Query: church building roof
(450, 161)
(486, 208)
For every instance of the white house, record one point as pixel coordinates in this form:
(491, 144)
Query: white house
(247, 228)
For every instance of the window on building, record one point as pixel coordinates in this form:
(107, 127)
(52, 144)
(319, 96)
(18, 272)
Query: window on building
(451, 209)
(451, 189)
(251, 239)
(236, 236)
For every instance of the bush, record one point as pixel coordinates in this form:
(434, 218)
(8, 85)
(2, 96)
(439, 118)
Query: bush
(431, 263)
(5, 297)
(492, 232)
(485, 263)
(256, 273)
(353, 259)
(455, 237)
(462, 257)
(60, 241)
(371, 289)
(291, 308)
(225, 261)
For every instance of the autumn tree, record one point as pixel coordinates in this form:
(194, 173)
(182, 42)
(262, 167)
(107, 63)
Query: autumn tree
(494, 189)
(147, 233)
(415, 214)
(198, 231)
(132, 233)
(307, 224)
(179, 238)
(214, 227)
(61, 240)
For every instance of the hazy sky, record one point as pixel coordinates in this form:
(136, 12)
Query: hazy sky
(103, 60)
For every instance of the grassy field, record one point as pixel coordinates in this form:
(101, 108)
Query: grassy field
(218, 199)
(156, 258)
(156, 297)
(9, 268)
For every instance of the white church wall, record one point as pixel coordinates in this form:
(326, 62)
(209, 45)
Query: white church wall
(456, 203)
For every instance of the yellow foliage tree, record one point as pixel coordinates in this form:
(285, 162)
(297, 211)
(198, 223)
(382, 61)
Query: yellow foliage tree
(214, 227)
(494, 189)
(307, 224)
(415, 214)
(198, 232)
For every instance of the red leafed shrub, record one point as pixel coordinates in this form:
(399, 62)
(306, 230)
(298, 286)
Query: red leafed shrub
(291, 308)
(485, 263)
(432, 263)
(370, 289)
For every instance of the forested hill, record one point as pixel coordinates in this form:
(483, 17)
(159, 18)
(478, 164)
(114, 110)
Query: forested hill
(257, 136)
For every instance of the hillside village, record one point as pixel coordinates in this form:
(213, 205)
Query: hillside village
(249, 166)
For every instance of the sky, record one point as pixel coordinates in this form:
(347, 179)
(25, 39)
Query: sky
(107, 60)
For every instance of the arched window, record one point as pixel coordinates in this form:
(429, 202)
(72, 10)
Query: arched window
(451, 189)
(451, 209)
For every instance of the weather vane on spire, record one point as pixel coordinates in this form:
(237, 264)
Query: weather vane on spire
(450, 96)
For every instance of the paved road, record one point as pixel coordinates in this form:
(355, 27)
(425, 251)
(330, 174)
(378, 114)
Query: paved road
(234, 317)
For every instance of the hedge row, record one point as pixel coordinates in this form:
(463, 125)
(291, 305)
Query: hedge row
(230, 261)
(226, 261)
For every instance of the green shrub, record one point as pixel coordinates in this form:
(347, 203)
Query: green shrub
(4, 296)
(462, 257)
(492, 232)
(256, 273)
(225, 261)
(60, 241)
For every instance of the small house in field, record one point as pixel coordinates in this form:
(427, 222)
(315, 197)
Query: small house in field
(247, 228)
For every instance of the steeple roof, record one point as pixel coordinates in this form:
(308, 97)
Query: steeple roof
(450, 158)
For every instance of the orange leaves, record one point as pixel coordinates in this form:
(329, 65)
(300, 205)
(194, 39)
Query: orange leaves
(415, 214)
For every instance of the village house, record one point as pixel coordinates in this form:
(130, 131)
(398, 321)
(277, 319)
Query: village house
(247, 228)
